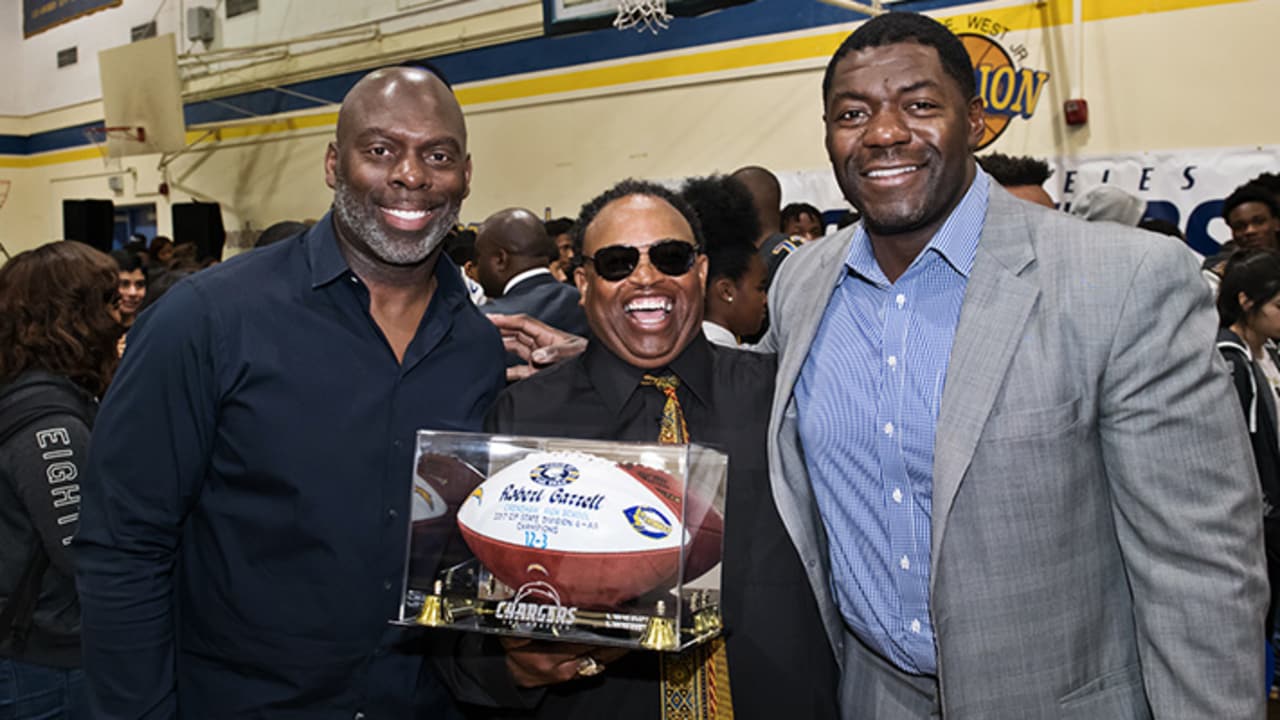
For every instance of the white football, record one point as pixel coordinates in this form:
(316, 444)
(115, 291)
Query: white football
(598, 532)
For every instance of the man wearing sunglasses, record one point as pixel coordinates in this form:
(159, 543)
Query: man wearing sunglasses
(642, 287)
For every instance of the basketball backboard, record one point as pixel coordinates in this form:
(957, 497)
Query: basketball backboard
(560, 17)
(141, 88)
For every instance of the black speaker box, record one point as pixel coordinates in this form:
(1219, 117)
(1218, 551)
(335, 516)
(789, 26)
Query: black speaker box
(91, 222)
(200, 223)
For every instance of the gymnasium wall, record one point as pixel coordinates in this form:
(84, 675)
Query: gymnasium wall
(555, 120)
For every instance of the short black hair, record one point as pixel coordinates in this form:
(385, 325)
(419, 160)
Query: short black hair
(1270, 181)
(627, 188)
(895, 27)
(796, 210)
(558, 226)
(1162, 226)
(1256, 273)
(1012, 171)
(128, 261)
(729, 223)
(282, 230)
(1247, 193)
(460, 245)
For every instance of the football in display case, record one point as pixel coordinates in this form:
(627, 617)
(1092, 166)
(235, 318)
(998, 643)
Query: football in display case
(608, 543)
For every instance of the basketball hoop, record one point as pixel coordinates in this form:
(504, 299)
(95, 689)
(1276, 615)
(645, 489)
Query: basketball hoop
(111, 140)
(642, 15)
(875, 7)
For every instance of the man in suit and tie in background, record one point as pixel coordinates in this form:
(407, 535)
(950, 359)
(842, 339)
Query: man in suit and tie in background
(513, 255)
(1001, 440)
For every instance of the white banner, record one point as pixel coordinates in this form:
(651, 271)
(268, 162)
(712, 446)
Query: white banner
(1186, 187)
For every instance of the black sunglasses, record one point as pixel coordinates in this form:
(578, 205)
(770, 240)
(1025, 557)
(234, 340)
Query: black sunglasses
(671, 257)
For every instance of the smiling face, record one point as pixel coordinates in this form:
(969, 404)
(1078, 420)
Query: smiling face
(804, 225)
(648, 317)
(399, 167)
(900, 135)
(133, 289)
(1253, 226)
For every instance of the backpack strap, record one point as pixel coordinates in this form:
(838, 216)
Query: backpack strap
(1225, 346)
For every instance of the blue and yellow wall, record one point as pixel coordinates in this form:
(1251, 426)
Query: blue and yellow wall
(553, 120)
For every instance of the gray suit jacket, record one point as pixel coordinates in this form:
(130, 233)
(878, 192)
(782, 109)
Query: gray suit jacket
(1097, 544)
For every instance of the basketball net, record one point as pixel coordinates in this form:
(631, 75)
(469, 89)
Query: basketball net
(642, 15)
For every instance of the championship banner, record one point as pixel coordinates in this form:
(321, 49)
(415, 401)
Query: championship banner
(40, 15)
(1185, 187)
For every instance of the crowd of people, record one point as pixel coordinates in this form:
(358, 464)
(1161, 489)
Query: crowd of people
(986, 458)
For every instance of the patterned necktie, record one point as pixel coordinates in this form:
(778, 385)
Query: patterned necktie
(695, 683)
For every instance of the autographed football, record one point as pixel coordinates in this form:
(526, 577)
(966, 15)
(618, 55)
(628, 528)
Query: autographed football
(598, 532)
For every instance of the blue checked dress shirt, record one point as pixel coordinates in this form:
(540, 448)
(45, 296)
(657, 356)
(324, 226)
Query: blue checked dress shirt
(868, 398)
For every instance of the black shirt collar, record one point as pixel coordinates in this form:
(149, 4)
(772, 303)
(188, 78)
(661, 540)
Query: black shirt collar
(328, 264)
(616, 380)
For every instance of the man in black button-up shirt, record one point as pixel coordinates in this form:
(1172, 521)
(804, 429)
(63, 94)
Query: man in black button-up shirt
(780, 663)
(242, 537)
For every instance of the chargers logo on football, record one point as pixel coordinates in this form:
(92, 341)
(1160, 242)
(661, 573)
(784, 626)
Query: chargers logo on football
(648, 522)
(478, 494)
(554, 474)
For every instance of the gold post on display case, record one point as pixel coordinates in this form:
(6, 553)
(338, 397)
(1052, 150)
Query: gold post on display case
(659, 631)
(435, 612)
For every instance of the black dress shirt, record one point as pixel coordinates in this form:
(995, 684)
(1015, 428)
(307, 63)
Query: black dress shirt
(780, 663)
(242, 540)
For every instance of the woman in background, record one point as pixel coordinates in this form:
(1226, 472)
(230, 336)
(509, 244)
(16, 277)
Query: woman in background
(58, 333)
(1249, 318)
(736, 281)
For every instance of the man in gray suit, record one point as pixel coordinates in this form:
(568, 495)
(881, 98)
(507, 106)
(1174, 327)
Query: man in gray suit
(1002, 441)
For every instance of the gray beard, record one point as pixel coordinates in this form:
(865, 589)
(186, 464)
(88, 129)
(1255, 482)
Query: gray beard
(361, 219)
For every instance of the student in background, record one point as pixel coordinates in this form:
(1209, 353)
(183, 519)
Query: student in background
(58, 337)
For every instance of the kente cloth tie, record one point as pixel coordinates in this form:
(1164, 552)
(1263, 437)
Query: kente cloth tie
(695, 683)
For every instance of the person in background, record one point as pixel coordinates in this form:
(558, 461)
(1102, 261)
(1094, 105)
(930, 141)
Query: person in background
(560, 230)
(1252, 212)
(282, 230)
(460, 246)
(513, 253)
(802, 220)
(133, 289)
(1107, 203)
(735, 293)
(1161, 226)
(1249, 321)
(132, 285)
(1023, 177)
(160, 250)
(766, 197)
(137, 245)
(58, 335)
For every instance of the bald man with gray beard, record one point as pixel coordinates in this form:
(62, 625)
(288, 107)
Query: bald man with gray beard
(242, 544)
